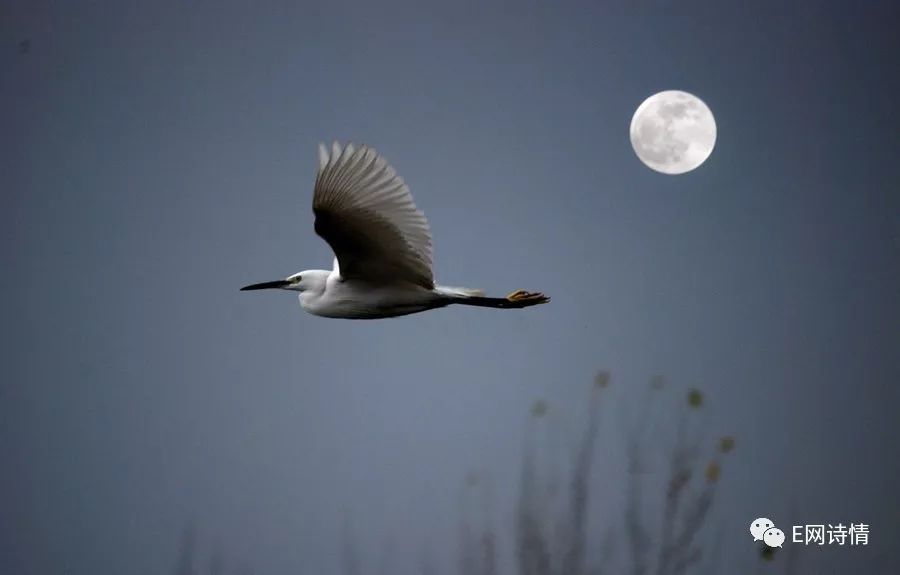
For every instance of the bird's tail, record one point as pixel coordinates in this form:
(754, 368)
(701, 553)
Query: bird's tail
(517, 299)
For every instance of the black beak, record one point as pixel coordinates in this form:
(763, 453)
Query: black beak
(267, 285)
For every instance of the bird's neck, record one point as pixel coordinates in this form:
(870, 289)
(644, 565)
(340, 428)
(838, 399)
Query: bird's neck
(314, 282)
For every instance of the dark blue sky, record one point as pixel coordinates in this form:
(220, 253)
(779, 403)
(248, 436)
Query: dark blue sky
(158, 156)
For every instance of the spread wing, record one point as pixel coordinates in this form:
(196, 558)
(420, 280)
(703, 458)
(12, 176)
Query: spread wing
(366, 214)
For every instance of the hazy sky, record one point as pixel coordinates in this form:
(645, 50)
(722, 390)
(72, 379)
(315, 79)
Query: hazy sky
(156, 156)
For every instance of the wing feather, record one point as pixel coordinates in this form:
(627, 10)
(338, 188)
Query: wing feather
(366, 213)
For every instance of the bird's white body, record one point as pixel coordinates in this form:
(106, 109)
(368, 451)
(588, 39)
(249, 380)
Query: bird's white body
(382, 246)
(330, 295)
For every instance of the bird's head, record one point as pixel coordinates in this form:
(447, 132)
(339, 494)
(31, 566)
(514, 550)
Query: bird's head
(295, 282)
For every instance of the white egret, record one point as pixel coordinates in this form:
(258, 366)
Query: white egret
(382, 246)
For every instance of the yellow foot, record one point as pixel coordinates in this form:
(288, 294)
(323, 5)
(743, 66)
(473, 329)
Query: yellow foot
(520, 296)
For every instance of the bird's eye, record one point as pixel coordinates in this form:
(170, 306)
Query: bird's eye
(296, 279)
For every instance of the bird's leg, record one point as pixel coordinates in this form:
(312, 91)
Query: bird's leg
(515, 300)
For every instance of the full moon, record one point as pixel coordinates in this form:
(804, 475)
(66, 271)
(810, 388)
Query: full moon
(673, 132)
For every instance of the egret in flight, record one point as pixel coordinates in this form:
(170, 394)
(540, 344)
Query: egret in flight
(381, 243)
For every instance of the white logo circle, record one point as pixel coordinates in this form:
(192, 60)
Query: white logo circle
(773, 537)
